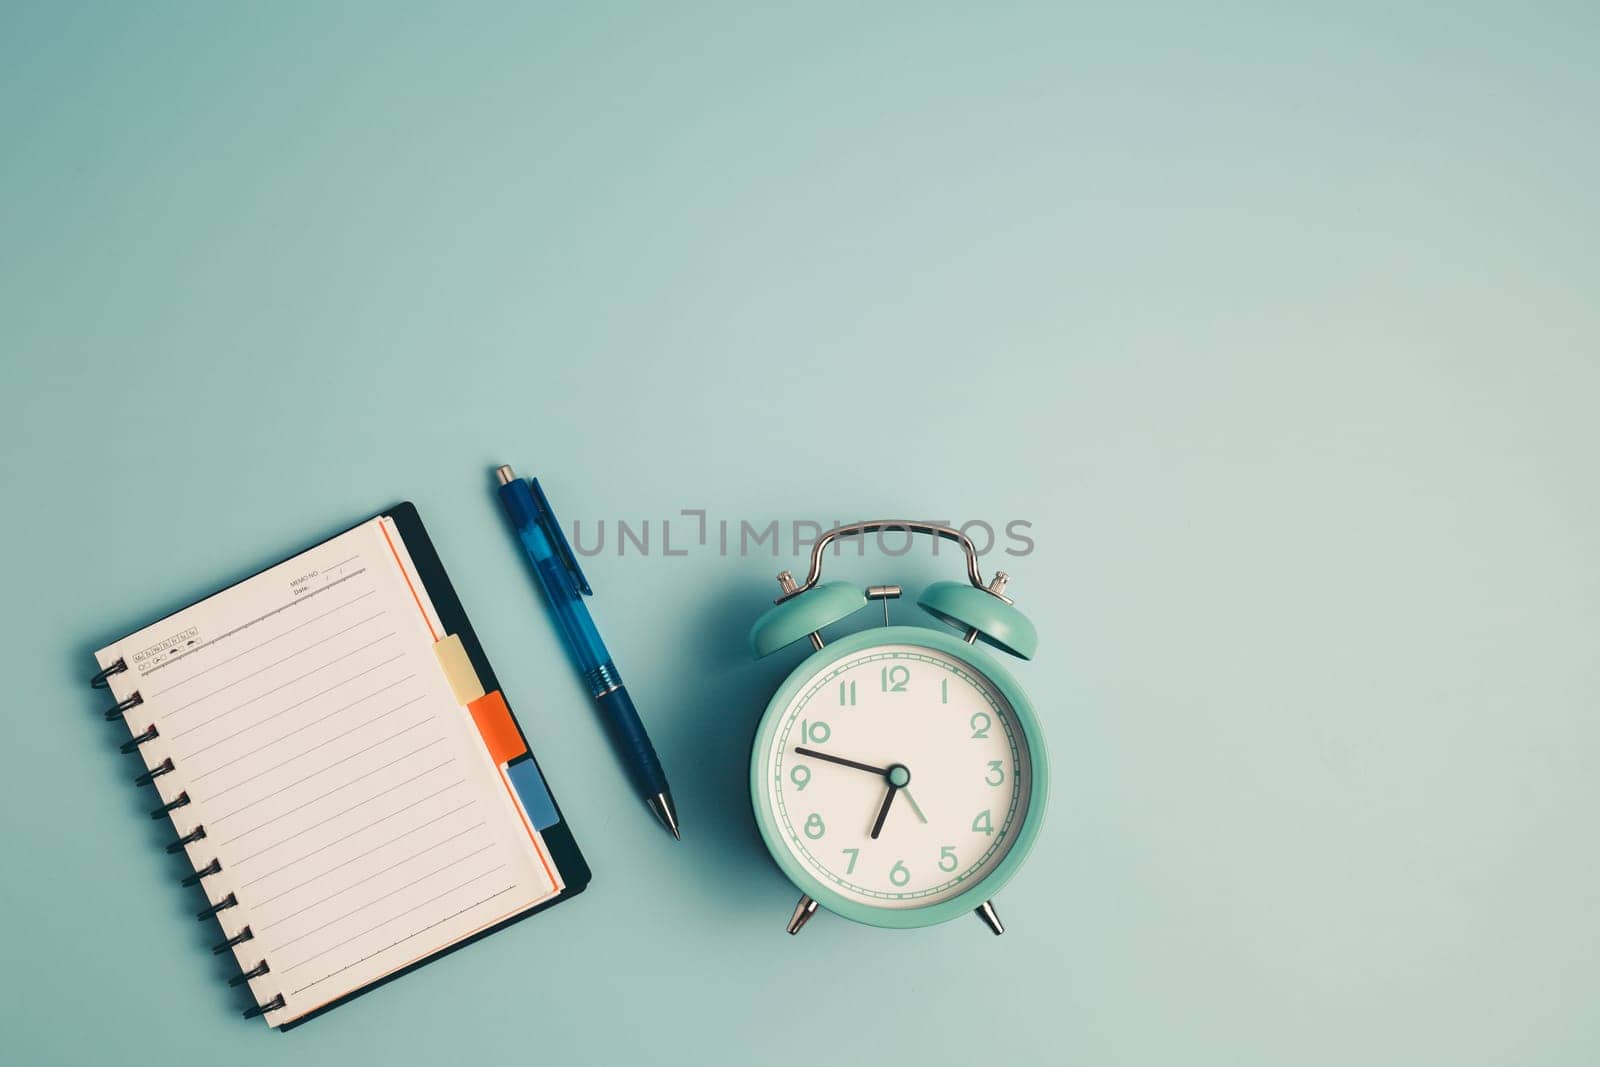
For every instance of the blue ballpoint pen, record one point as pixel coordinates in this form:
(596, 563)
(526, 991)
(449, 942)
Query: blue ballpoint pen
(565, 587)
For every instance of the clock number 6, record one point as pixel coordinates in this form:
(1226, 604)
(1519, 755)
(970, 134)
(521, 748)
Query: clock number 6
(899, 874)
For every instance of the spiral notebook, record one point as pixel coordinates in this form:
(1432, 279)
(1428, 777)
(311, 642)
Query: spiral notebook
(341, 769)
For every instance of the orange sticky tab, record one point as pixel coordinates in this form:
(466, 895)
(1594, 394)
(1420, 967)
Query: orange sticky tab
(498, 729)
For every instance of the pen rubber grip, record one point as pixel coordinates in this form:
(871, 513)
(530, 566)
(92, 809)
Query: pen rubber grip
(627, 733)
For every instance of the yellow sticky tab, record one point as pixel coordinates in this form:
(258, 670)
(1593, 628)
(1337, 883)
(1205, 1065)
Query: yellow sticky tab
(458, 671)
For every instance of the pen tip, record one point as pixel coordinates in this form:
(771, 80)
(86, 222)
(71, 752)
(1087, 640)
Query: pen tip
(662, 805)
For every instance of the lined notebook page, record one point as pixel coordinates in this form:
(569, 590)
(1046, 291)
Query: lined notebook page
(349, 799)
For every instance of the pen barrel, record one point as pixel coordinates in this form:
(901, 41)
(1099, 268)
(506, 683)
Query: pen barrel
(627, 733)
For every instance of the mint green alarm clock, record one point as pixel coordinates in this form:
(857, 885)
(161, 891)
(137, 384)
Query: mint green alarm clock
(899, 774)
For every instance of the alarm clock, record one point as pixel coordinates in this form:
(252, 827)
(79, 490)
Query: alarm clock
(899, 774)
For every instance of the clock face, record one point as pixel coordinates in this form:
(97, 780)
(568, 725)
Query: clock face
(898, 776)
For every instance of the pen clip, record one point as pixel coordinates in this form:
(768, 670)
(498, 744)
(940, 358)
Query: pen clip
(552, 530)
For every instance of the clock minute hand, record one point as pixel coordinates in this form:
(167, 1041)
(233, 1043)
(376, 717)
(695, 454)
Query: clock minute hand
(841, 761)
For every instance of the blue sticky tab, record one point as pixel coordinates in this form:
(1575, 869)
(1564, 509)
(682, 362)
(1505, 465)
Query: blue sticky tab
(530, 787)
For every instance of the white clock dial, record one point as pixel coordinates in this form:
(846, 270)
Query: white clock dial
(899, 776)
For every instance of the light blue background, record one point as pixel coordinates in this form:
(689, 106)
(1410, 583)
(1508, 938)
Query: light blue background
(1279, 327)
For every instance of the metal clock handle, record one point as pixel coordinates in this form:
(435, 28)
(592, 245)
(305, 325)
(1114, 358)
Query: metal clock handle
(974, 575)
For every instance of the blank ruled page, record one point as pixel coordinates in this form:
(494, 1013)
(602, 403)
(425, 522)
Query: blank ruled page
(357, 818)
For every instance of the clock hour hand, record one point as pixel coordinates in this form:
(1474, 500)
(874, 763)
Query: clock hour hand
(898, 778)
(841, 761)
(883, 812)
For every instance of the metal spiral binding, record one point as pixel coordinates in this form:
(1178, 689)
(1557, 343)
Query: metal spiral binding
(197, 834)
(100, 681)
(119, 709)
(214, 867)
(255, 972)
(244, 934)
(261, 1009)
(130, 747)
(229, 901)
(167, 809)
(237, 939)
(118, 712)
(166, 767)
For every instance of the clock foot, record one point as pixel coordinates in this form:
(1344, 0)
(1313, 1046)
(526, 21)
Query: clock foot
(803, 912)
(990, 917)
